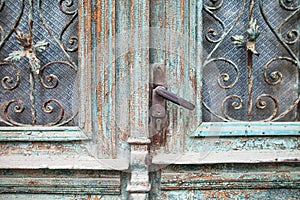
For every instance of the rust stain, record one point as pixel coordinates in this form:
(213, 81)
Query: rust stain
(207, 177)
(217, 194)
(32, 182)
(97, 17)
(244, 139)
(225, 143)
(35, 148)
(99, 101)
(193, 81)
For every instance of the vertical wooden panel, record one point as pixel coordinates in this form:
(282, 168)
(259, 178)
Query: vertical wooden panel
(182, 60)
(122, 76)
(85, 65)
(104, 76)
(139, 99)
(139, 68)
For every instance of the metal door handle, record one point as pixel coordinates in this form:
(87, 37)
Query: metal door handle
(159, 120)
(164, 93)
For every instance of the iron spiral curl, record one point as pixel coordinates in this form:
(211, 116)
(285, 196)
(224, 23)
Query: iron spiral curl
(262, 104)
(284, 5)
(237, 104)
(18, 108)
(48, 109)
(8, 82)
(72, 41)
(275, 77)
(212, 35)
(225, 77)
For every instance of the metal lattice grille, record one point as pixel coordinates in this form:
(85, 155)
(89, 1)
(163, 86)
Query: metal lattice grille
(38, 62)
(251, 60)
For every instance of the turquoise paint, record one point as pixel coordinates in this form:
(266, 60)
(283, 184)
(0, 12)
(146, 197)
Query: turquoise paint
(182, 135)
(227, 129)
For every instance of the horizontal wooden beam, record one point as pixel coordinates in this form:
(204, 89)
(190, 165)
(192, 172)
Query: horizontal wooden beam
(228, 129)
(60, 182)
(41, 133)
(252, 156)
(218, 177)
(61, 162)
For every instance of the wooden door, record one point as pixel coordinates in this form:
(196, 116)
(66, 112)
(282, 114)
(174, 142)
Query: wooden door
(58, 134)
(81, 117)
(238, 62)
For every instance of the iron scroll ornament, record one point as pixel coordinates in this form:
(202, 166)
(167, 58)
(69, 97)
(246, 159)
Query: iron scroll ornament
(271, 77)
(30, 51)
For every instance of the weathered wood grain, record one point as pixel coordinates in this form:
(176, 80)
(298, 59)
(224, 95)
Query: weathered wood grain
(60, 182)
(212, 157)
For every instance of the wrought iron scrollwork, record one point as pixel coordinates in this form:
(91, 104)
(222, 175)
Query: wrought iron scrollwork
(237, 104)
(271, 76)
(73, 40)
(284, 4)
(212, 32)
(5, 35)
(1, 29)
(30, 51)
(262, 104)
(9, 82)
(224, 78)
(18, 107)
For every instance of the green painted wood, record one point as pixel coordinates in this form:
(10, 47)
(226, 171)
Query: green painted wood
(25, 160)
(231, 176)
(227, 129)
(60, 182)
(242, 194)
(103, 76)
(229, 156)
(174, 43)
(229, 181)
(42, 134)
(58, 197)
(115, 53)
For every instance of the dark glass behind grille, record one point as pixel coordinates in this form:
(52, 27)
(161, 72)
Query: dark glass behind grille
(269, 47)
(55, 22)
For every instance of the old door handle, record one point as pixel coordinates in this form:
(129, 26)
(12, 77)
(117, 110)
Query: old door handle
(164, 93)
(159, 119)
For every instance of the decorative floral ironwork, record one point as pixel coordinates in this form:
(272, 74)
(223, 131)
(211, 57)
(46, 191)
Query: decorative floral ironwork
(30, 51)
(253, 33)
(271, 77)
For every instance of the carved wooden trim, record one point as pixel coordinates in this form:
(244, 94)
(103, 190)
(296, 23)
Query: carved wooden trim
(139, 99)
